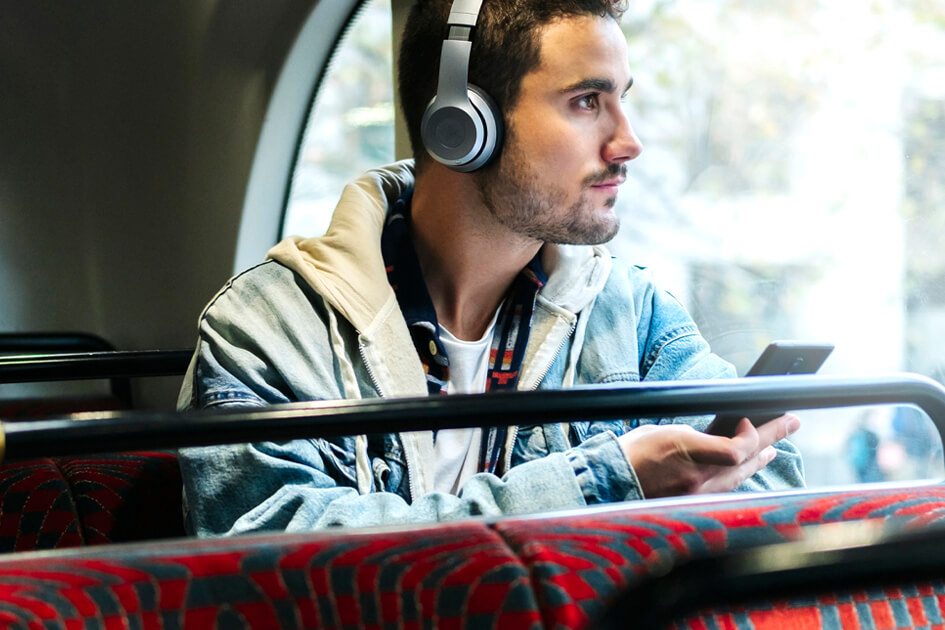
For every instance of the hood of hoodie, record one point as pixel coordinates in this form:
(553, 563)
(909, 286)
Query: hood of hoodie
(346, 267)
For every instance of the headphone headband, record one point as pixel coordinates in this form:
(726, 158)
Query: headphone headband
(464, 13)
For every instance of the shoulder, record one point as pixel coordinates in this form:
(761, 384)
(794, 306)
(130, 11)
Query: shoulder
(634, 289)
(269, 286)
(265, 278)
(668, 342)
(264, 338)
(636, 280)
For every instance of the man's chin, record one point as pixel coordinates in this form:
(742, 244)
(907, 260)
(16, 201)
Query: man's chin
(606, 228)
(596, 234)
(607, 236)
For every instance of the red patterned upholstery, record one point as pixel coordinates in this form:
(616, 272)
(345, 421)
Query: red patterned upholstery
(448, 576)
(917, 606)
(73, 501)
(579, 564)
(126, 496)
(559, 571)
(36, 507)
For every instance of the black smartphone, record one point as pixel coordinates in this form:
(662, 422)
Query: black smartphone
(780, 357)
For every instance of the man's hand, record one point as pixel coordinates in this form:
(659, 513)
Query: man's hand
(676, 459)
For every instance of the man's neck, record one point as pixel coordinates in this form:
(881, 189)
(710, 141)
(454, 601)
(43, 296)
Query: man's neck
(469, 260)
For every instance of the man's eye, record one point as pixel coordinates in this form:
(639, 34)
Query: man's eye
(587, 101)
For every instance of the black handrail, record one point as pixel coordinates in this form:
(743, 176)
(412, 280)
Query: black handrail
(92, 365)
(118, 431)
(72, 356)
(17, 346)
(45, 342)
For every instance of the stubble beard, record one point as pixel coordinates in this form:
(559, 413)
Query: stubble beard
(518, 200)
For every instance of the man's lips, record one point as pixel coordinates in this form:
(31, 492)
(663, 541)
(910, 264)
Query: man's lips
(609, 185)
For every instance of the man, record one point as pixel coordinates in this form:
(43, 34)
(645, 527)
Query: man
(466, 280)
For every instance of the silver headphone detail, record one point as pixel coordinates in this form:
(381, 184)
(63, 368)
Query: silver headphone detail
(461, 127)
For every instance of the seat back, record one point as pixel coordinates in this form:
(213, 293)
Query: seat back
(879, 573)
(51, 502)
(57, 502)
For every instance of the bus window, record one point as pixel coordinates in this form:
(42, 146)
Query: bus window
(790, 188)
(351, 127)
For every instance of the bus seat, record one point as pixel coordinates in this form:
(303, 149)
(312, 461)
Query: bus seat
(17, 348)
(59, 502)
(580, 564)
(47, 357)
(554, 570)
(453, 575)
(860, 574)
(41, 407)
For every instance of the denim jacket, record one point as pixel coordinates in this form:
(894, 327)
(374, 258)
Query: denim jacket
(318, 321)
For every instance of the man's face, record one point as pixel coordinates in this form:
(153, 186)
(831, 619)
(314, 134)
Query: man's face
(568, 139)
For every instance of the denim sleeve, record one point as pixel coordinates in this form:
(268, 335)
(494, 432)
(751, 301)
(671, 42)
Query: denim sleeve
(603, 471)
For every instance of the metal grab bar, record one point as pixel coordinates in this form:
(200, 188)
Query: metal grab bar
(92, 365)
(120, 431)
(42, 342)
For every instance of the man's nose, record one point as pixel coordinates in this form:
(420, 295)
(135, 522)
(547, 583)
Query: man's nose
(623, 145)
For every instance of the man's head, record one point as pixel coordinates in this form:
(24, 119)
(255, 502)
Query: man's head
(506, 45)
(558, 71)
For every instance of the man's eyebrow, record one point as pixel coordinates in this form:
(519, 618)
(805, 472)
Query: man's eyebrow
(595, 84)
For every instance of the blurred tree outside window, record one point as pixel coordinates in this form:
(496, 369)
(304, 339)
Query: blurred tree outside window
(792, 186)
(351, 127)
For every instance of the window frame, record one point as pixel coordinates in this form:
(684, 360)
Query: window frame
(283, 129)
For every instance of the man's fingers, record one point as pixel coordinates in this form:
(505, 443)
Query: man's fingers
(728, 479)
(715, 450)
(677, 459)
(746, 445)
(778, 429)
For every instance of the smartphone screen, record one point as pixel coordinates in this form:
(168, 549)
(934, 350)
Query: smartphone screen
(780, 357)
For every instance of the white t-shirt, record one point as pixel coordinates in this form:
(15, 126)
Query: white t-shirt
(457, 450)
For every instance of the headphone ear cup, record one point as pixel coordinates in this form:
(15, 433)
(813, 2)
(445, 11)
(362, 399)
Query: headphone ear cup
(492, 126)
(463, 135)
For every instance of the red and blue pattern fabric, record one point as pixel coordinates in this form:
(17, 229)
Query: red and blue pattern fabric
(451, 576)
(892, 607)
(581, 563)
(557, 571)
(36, 507)
(123, 497)
(61, 502)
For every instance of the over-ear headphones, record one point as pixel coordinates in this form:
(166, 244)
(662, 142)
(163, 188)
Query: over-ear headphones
(461, 127)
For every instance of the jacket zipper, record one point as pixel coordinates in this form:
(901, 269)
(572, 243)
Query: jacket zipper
(513, 433)
(415, 490)
(370, 370)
